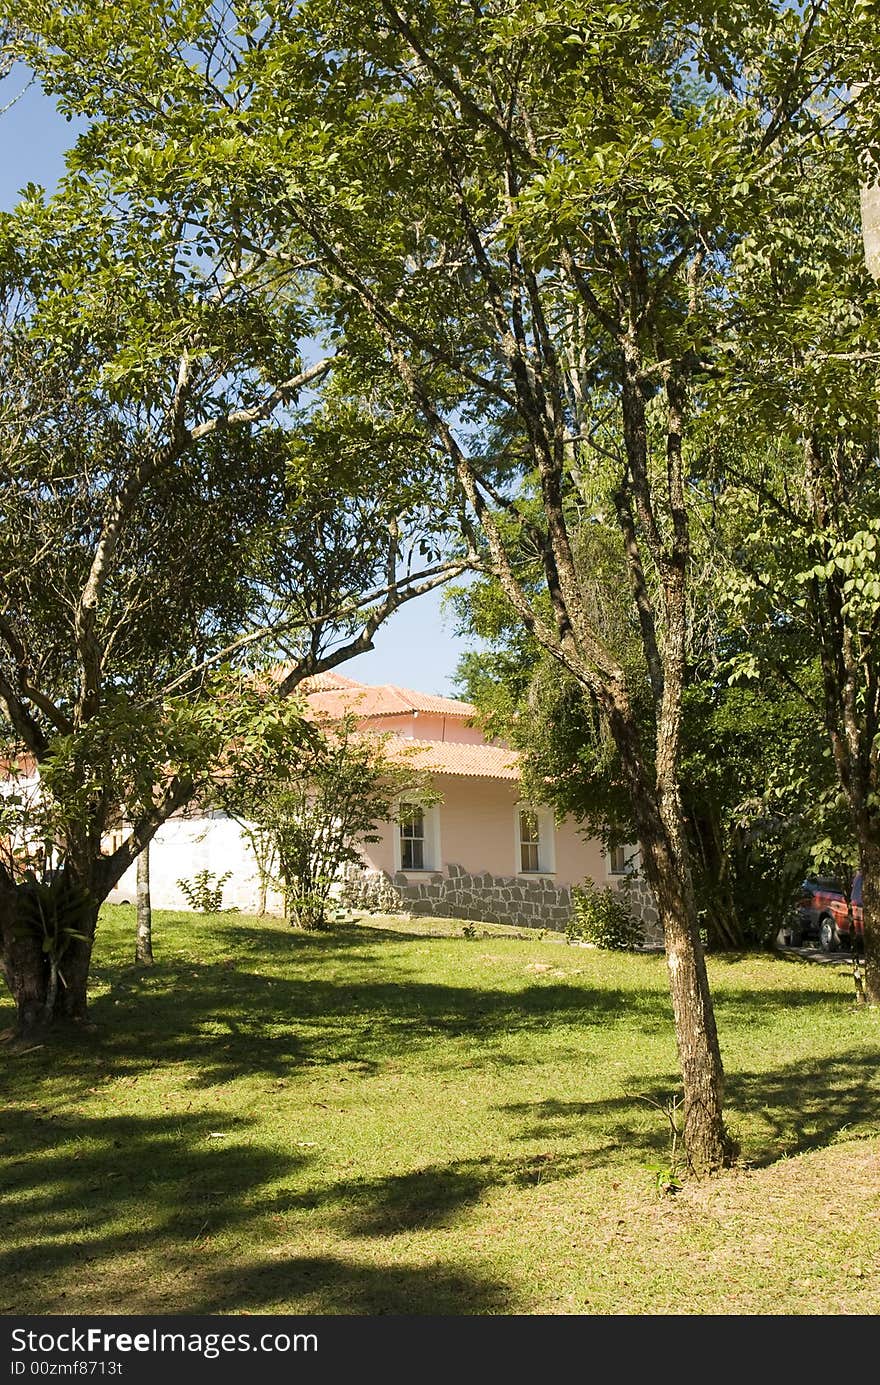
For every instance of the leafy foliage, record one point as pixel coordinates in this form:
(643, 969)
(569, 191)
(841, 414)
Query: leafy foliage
(602, 917)
(309, 807)
(204, 891)
(57, 910)
(184, 488)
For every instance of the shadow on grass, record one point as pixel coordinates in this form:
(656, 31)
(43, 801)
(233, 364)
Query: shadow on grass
(228, 1015)
(802, 1106)
(807, 1105)
(330, 1284)
(92, 1205)
(82, 1190)
(224, 1023)
(106, 1195)
(89, 1203)
(762, 1007)
(272, 938)
(432, 1197)
(362, 932)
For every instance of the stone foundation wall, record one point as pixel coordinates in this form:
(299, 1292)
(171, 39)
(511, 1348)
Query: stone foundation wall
(528, 902)
(642, 907)
(524, 901)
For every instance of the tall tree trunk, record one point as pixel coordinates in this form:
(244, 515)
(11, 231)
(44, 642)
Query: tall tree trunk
(869, 863)
(143, 951)
(869, 846)
(46, 986)
(662, 839)
(707, 1144)
(71, 1002)
(24, 962)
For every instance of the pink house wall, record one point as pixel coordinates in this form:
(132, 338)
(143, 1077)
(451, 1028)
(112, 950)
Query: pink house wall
(478, 831)
(427, 726)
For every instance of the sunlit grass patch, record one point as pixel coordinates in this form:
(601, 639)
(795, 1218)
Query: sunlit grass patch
(393, 1117)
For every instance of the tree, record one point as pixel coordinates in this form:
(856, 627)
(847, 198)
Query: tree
(529, 214)
(168, 512)
(310, 808)
(797, 467)
(143, 950)
(521, 222)
(755, 783)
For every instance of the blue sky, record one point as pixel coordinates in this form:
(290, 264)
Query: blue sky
(417, 647)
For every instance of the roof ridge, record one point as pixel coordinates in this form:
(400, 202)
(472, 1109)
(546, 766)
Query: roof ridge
(331, 681)
(387, 699)
(467, 708)
(432, 740)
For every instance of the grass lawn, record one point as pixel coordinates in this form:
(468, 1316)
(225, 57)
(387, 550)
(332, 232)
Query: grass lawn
(394, 1118)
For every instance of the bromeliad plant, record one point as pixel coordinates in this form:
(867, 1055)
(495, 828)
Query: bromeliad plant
(58, 913)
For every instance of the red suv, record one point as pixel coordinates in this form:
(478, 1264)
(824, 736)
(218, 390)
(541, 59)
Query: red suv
(824, 914)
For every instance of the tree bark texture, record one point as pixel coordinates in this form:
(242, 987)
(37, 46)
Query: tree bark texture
(72, 999)
(24, 964)
(708, 1147)
(869, 848)
(706, 1142)
(143, 951)
(869, 862)
(869, 196)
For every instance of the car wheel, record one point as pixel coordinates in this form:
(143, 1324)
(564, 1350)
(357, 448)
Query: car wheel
(829, 938)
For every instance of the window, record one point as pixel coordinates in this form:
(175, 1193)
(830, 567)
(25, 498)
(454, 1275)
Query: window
(529, 841)
(617, 860)
(412, 837)
(416, 837)
(535, 840)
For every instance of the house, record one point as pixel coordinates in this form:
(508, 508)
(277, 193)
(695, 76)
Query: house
(480, 852)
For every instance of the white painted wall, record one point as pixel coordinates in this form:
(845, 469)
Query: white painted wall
(182, 847)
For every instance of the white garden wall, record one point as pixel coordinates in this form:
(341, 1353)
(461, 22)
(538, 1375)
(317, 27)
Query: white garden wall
(182, 847)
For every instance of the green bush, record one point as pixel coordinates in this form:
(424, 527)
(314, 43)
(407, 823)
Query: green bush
(602, 917)
(202, 894)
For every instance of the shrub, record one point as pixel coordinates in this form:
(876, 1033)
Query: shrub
(202, 894)
(601, 917)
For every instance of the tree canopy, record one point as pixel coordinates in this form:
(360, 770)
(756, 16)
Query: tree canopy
(567, 263)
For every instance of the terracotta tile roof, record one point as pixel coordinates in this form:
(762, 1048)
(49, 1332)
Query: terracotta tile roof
(456, 757)
(321, 682)
(331, 695)
(26, 765)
